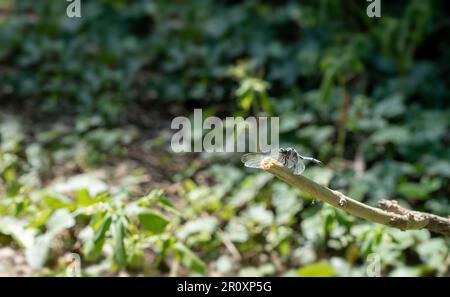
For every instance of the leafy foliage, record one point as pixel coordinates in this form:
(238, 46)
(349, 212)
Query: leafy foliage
(366, 96)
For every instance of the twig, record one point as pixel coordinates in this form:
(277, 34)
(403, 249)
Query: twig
(389, 213)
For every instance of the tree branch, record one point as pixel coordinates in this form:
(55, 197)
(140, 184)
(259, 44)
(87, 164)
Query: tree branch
(390, 213)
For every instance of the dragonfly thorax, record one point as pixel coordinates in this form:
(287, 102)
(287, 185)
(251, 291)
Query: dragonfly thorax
(287, 152)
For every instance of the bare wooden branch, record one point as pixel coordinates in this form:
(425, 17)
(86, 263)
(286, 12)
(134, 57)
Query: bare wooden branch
(389, 214)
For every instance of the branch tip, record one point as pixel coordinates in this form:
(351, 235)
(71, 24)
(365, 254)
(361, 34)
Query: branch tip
(268, 163)
(389, 213)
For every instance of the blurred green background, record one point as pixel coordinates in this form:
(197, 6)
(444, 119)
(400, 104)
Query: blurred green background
(85, 159)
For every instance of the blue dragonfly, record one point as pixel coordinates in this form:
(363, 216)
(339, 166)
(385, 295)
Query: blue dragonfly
(289, 157)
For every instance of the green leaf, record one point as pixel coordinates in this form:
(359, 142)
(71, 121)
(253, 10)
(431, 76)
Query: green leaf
(420, 190)
(120, 256)
(322, 269)
(166, 203)
(56, 202)
(83, 198)
(393, 134)
(153, 221)
(245, 101)
(390, 107)
(94, 246)
(104, 227)
(188, 258)
(40, 218)
(413, 190)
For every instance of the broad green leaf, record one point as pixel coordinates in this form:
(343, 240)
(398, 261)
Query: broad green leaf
(153, 221)
(83, 198)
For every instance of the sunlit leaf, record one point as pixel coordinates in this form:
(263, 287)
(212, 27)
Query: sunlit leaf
(322, 269)
(153, 221)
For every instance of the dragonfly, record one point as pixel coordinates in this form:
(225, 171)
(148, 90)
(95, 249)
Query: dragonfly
(289, 157)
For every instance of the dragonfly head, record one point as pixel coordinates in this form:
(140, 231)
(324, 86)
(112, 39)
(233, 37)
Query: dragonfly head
(283, 152)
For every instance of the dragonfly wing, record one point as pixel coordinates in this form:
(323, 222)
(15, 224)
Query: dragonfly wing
(253, 160)
(291, 164)
(299, 167)
(274, 154)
